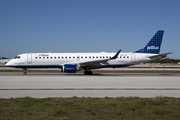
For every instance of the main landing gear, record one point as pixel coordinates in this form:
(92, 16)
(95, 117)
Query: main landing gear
(25, 71)
(88, 72)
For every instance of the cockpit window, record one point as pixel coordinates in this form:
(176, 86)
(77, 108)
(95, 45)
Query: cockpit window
(17, 57)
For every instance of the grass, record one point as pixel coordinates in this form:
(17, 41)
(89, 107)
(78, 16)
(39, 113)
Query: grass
(159, 108)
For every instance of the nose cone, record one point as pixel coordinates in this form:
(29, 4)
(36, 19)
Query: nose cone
(8, 64)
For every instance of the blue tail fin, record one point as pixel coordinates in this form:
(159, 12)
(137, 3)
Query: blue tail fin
(154, 44)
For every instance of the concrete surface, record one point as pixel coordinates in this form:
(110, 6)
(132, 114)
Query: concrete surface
(151, 85)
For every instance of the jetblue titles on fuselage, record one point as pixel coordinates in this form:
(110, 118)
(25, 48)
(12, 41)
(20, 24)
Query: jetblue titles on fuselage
(43, 55)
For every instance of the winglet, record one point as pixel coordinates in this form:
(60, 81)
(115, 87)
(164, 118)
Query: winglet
(115, 56)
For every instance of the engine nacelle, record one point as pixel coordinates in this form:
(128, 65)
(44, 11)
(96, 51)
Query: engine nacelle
(68, 68)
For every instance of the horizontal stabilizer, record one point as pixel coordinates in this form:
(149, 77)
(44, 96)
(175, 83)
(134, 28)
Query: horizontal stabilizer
(160, 55)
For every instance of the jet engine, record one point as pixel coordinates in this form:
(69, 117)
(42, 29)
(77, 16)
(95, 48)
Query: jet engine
(68, 68)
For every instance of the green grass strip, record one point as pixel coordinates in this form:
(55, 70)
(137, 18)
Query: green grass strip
(159, 108)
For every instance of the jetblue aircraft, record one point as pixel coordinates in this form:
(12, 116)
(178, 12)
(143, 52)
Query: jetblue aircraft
(72, 62)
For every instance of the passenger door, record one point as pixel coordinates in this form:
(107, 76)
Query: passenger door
(133, 59)
(29, 58)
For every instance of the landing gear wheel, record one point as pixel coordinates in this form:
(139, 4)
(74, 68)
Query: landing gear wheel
(25, 73)
(88, 72)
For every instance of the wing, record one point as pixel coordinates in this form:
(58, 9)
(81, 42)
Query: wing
(94, 63)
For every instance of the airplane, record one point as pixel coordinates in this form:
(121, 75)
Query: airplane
(73, 62)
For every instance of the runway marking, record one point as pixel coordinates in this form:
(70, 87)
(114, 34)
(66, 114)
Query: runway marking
(90, 89)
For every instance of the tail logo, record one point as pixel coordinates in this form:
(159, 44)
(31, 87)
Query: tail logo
(152, 47)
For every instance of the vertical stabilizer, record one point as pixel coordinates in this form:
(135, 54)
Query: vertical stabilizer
(154, 44)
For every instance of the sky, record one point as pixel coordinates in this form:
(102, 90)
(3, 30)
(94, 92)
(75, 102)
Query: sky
(39, 26)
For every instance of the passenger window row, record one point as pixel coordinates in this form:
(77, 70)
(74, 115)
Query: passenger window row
(78, 57)
(124, 57)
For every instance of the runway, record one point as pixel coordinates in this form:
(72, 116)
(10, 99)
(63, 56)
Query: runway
(43, 85)
(109, 69)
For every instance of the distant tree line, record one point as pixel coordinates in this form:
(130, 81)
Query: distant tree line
(166, 60)
(3, 58)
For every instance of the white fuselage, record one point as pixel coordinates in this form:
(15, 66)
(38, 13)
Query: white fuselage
(56, 60)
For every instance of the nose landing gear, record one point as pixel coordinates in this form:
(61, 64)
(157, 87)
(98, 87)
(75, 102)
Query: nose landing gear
(25, 71)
